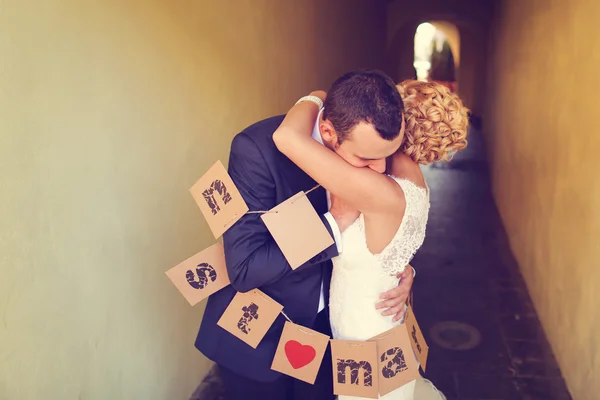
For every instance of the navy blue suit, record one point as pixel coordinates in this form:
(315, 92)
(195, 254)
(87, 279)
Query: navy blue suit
(265, 177)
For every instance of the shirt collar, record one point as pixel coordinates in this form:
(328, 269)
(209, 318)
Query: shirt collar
(316, 132)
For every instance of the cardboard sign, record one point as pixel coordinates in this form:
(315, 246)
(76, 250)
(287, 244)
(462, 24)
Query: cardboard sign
(300, 352)
(417, 340)
(297, 229)
(201, 275)
(249, 316)
(397, 363)
(354, 368)
(219, 200)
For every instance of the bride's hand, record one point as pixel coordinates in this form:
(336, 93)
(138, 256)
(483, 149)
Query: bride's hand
(343, 214)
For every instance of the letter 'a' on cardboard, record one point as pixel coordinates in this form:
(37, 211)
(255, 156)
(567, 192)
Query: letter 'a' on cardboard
(201, 275)
(249, 316)
(417, 340)
(355, 368)
(397, 363)
(219, 200)
(300, 352)
(297, 230)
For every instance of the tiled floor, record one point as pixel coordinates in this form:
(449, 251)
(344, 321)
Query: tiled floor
(466, 274)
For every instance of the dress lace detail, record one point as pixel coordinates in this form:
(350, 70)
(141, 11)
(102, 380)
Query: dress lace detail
(411, 233)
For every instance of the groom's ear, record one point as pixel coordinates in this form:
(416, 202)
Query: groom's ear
(328, 132)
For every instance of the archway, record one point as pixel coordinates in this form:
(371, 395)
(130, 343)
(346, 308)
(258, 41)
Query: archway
(467, 21)
(437, 52)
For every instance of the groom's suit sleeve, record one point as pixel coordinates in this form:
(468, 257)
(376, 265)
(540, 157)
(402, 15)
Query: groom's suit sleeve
(252, 256)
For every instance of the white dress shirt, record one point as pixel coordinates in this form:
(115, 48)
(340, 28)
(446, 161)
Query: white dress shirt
(337, 235)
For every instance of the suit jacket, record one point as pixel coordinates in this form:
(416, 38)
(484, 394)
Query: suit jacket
(265, 177)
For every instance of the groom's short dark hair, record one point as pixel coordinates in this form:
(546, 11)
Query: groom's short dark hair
(364, 96)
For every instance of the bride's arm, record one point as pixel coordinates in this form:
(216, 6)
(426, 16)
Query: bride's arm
(362, 188)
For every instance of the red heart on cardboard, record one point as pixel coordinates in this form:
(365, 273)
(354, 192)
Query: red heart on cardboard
(298, 354)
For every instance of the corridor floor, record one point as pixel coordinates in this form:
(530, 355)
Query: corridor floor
(466, 274)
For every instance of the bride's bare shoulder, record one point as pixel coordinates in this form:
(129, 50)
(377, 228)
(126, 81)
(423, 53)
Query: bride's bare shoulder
(401, 166)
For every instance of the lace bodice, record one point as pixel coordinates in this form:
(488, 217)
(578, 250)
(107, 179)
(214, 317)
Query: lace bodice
(411, 233)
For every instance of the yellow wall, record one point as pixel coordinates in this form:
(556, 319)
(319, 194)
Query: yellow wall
(542, 117)
(109, 112)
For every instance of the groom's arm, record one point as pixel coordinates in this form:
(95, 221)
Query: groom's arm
(252, 256)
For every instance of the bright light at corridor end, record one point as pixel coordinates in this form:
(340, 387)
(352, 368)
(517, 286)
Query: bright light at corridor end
(423, 49)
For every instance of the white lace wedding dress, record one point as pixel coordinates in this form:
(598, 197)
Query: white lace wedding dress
(359, 277)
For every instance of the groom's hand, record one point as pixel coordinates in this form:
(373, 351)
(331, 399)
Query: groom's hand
(394, 301)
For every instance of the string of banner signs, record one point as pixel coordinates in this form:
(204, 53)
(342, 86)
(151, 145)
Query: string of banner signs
(300, 234)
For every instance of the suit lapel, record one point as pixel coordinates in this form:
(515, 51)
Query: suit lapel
(318, 198)
(297, 181)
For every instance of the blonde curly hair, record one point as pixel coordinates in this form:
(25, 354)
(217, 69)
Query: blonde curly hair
(436, 122)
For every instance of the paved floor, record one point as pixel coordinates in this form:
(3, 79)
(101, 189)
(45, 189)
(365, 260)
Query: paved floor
(467, 275)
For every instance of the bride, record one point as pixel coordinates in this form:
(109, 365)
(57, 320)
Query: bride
(388, 226)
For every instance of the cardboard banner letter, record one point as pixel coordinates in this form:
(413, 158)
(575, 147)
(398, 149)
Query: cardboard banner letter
(201, 275)
(300, 352)
(249, 316)
(417, 340)
(219, 200)
(354, 368)
(297, 229)
(397, 364)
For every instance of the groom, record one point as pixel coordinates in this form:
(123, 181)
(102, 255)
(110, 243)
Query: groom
(265, 178)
